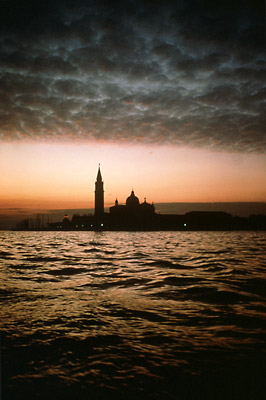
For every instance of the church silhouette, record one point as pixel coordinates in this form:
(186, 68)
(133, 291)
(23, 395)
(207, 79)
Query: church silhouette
(137, 216)
(131, 215)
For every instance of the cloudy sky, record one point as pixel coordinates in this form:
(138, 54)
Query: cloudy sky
(184, 81)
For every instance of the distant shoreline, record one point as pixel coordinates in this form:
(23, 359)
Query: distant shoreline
(9, 217)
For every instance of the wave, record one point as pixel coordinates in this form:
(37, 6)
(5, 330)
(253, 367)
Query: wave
(66, 271)
(166, 264)
(136, 315)
(43, 259)
(92, 250)
(5, 254)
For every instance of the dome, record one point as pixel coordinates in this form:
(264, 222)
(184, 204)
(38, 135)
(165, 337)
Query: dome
(132, 200)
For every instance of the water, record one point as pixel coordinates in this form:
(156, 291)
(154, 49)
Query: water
(154, 315)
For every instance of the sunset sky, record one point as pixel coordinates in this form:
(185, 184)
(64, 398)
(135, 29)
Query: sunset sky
(170, 98)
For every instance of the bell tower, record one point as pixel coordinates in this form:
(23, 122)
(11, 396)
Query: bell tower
(99, 194)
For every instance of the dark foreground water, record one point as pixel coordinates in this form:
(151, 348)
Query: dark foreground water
(161, 315)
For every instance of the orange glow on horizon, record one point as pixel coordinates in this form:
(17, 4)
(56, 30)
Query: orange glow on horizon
(52, 175)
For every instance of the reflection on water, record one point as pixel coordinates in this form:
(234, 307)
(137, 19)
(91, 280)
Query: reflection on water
(154, 315)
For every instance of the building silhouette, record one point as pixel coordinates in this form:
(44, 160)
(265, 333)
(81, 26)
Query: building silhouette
(99, 196)
(134, 215)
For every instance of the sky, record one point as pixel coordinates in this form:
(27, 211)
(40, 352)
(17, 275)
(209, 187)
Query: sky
(169, 96)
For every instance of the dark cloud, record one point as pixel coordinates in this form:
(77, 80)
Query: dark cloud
(176, 72)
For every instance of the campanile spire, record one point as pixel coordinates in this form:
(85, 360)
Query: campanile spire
(99, 195)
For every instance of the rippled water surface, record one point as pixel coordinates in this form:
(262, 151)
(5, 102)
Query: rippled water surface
(154, 315)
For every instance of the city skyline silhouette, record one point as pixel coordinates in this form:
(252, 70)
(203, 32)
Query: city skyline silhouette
(138, 216)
